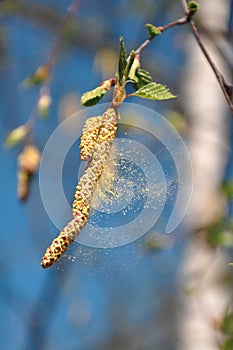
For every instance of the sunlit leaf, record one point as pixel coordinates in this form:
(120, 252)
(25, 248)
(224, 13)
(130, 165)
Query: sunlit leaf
(91, 98)
(133, 70)
(154, 91)
(16, 136)
(129, 64)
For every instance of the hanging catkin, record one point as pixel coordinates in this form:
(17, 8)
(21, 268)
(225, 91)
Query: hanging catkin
(89, 137)
(28, 162)
(85, 188)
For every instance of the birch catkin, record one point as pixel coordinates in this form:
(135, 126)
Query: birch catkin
(89, 137)
(107, 127)
(28, 162)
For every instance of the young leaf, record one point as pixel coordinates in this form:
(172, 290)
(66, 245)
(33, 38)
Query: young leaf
(91, 98)
(122, 59)
(142, 77)
(154, 91)
(133, 70)
(153, 31)
(129, 64)
(16, 136)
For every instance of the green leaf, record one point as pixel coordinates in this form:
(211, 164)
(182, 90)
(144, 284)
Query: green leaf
(122, 59)
(129, 64)
(91, 98)
(135, 66)
(142, 77)
(154, 91)
(16, 136)
(153, 31)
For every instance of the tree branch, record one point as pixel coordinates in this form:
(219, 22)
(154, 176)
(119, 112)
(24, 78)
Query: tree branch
(226, 89)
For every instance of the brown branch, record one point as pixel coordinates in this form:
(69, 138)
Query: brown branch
(226, 89)
(52, 56)
(179, 21)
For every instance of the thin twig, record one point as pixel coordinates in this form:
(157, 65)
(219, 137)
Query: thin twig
(179, 21)
(52, 56)
(217, 73)
(224, 86)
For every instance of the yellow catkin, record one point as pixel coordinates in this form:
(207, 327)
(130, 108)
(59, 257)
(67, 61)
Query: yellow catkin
(89, 137)
(60, 244)
(28, 162)
(84, 189)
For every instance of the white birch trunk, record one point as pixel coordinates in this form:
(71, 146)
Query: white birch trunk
(203, 266)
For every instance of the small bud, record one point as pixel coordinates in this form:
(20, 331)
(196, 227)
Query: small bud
(44, 103)
(41, 75)
(119, 96)
(28, 162)
(17, 135)
(130, 62)
(29, 159)
(107, 84)
(192, 7)
(153, 31)
(22, 187)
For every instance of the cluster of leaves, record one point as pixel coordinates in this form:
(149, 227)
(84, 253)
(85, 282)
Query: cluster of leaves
(129, 70)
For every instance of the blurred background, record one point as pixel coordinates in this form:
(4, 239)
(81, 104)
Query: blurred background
(162, 291)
